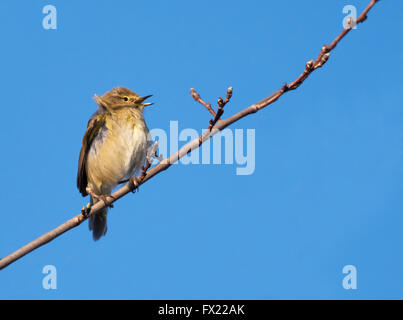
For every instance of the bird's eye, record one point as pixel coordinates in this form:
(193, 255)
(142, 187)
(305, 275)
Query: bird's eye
(126, 98)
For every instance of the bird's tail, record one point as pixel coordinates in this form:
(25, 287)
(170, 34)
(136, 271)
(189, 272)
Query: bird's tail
(97, 222)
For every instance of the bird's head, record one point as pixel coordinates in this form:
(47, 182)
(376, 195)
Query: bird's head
(121, 97)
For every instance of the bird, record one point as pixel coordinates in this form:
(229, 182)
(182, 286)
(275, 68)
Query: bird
(113, 149)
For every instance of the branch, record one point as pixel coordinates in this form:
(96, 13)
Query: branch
(221, 104)
(215, 126)
(197, 97)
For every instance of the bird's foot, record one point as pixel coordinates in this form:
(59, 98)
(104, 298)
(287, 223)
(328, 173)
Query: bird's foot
(85, 211)
(102, 197)
(107, 202)
(134, 184)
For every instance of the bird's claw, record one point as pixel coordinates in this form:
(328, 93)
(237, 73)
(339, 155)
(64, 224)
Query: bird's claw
(134, 184)
(104, 198)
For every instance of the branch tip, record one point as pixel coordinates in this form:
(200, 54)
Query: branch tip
(309, 65)
(197, 98)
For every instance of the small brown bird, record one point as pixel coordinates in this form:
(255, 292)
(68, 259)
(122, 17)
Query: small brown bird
(113, 149)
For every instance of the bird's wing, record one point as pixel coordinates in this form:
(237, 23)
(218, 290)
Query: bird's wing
(95, 124)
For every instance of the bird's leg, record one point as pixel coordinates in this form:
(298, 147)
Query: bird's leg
(135, 181)
(102, 197)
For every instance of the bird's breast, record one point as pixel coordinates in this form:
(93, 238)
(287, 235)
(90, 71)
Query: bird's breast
(118, 152)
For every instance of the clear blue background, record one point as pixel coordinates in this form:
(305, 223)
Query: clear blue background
(327, 189)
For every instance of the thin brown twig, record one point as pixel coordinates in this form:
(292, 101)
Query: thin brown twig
(220, 103)
(220, 111)
(197, 97)
(167, 162)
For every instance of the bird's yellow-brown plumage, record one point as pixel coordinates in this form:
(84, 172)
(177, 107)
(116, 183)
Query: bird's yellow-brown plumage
(113, 148)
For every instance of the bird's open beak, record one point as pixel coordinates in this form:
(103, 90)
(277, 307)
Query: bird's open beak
(144, 98)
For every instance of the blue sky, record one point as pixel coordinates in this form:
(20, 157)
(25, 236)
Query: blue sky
(326, 191)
